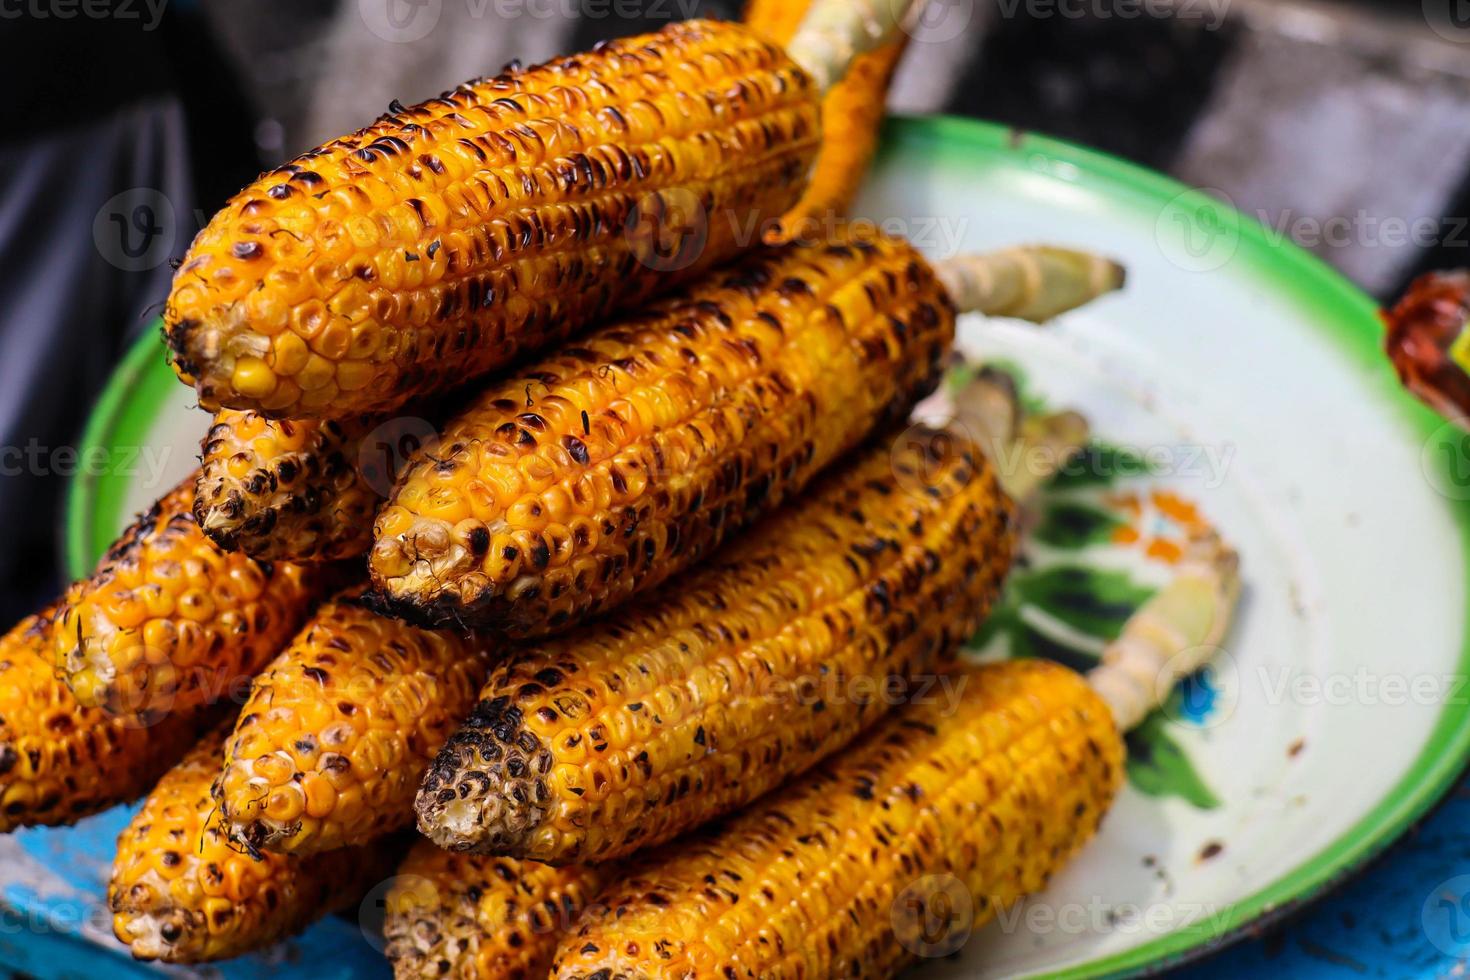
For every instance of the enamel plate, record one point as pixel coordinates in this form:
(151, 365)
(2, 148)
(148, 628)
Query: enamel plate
(1235, 385)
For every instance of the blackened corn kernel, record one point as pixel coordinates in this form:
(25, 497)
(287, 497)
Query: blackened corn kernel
(695, 701)
(468, 916)
(624, 458)
(286, 490)
(169, 621)
(61, 761)
(183, 892)
(339, 729)
(844, 872)
(451, 237)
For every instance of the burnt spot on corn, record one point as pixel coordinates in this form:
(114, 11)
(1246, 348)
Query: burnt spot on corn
(285, 490)
(490, 776)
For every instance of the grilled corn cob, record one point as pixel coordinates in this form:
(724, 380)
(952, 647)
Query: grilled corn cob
(182, 892)
(339, 729)
(609, 467)
(480, 918)
(61, 761)
(169, 622)
(831, 875)
(286, 491)
(852, 112)
(694, 702)
(976, 801)
(450, 237)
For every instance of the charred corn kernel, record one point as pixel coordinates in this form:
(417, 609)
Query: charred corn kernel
(623, 459)
(979, 798)
(286, 490)
(495, 219)
(852, 112)
(340, 728)
(696, 701)
(61, 761)
(169, 621)
(181, 891)
(468, 917)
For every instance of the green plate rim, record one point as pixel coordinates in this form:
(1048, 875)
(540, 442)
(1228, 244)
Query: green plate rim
(1349, 318)
(122, 415)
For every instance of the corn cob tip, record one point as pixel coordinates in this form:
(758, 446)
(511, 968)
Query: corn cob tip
(476, 916)
(486, 790)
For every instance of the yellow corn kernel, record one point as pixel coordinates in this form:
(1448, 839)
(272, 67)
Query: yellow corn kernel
(287, 490)
(61, 760)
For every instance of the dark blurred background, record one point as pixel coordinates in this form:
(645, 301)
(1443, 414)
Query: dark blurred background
(127, 122)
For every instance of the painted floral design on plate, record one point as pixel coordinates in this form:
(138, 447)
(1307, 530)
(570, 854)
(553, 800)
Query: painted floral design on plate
(1103, 539)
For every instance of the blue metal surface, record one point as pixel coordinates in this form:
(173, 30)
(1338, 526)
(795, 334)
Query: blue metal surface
(1407, 917)
(54, 923)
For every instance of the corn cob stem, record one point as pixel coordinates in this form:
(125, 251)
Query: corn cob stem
(1033, 282)
(852, 112)
(338, 731)
(182, 892)
(1172, 635)
(834, 33)
(61, 760)
(469, 917)
(695, 702)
